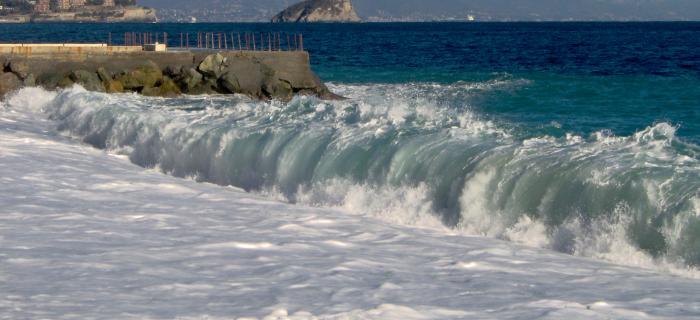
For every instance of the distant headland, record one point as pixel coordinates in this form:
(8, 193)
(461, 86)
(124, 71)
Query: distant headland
(23, 11)
(319, 11)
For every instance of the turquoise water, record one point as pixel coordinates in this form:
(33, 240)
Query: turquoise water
(581, 136)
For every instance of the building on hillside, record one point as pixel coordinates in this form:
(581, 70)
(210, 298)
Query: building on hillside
(61, 5)
(77, 3)
(108, 3)
(42, 6)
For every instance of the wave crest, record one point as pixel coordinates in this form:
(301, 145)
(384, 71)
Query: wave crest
(415, 154)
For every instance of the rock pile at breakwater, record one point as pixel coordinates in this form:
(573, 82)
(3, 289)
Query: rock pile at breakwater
(260, 75)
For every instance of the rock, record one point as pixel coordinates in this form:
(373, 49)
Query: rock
(278, 89)
(89, 80)
(49, 81)
(29, 81)
(167, 88)
(9, 82)
(213, 66)
(229, 82)
(66, 82)
(21, 69)
(208, 86)
(319, 11)
(251, 76)
(150, 92)
(113, 86)
(146, 76)
(104, 75)
(173, 71)
(189, 79)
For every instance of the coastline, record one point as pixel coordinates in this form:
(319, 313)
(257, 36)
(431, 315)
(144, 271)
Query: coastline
(132, 14)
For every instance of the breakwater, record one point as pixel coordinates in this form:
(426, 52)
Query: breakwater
(130, 68)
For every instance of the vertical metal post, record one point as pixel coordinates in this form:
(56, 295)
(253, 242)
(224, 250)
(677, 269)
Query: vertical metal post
(239, 41)
(269, 42)
(288, 41)
(301, 41)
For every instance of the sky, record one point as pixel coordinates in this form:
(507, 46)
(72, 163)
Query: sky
(457, 9)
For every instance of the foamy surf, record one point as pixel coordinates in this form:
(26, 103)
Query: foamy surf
(89, 235)
(415, 154)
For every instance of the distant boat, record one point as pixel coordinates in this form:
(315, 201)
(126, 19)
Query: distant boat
(471, 17)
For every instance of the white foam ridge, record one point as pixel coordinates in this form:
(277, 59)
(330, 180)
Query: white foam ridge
(414, 154)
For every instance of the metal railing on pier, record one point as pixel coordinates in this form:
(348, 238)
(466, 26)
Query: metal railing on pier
(234, 41)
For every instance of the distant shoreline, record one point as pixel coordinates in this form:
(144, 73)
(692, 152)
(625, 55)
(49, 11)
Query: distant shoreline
(128, 14)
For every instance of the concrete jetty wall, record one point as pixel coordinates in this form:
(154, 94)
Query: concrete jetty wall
(64, 48)
(259, 74)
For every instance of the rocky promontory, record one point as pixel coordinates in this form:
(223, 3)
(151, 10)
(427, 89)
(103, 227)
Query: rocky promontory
(260, 75)
(319, 11)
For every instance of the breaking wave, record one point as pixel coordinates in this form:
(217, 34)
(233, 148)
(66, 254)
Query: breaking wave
(415, 154)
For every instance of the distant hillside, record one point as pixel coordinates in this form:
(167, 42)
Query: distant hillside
(412, 10)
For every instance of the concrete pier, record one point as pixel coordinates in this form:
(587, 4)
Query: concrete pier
(100, 67)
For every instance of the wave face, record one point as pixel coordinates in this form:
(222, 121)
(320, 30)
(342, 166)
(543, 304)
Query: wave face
(416, 154)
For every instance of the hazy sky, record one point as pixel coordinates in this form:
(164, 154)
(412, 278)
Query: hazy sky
(496, 9)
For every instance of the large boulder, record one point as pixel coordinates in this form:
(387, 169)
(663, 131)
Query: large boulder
(49, 80)
(29, 81)
(250, 75)
(229, 83)
(9, 82)
(146, 76)
(208, 86)
(213, 66)
(66, 82)
(89, 80)
(278, 89)
(189, 78)
(167, 88)
(104, 75)
(173, 71)
(113, 86)
(20, 68)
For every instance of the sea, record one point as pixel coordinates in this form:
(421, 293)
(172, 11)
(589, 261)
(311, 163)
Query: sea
(577, 137)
